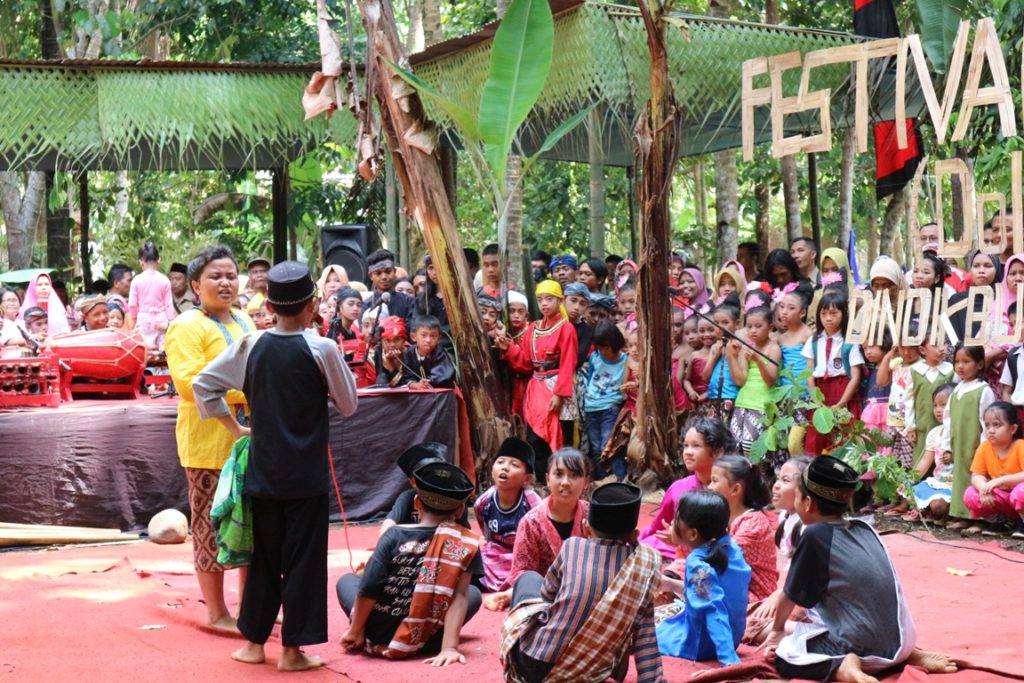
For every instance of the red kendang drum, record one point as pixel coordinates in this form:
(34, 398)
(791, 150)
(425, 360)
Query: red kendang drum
(106, 354)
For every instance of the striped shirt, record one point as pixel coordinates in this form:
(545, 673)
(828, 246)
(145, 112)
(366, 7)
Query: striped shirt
(574, 585)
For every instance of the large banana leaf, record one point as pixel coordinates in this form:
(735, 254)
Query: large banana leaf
(940, 20)
(520, 61)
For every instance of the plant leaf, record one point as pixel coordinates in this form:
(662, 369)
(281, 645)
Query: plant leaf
(824, 420)
(567, 127)
(462, 117)
(520, 61)
(940, 20)
(759, 448)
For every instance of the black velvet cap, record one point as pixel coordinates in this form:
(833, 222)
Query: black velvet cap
(830, 479)
(289, 283)
(179, 268)
(520, 450)
(614, 509)
(416, 456)
(442, 486)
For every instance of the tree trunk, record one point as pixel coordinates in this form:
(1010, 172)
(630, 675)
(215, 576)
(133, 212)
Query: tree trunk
(894, 210)
(727, 201)
(414, 37)
(762, 217)
(872, 228)
(595, 157)
(771, 12)
(652, 447)
(426, 201)
(21, 214)
(512, 230)
(849, 155)
(700, 190)
(791, 197)
(432, 32)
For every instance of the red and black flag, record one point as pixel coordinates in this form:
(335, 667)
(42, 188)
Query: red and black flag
(894, 167)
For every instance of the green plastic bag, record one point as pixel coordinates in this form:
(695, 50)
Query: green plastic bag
(231, 512)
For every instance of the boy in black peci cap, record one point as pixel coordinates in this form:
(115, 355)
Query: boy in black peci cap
(404, 511)
(415, 593)
(287, 373)
(594, 608)
(500, 509)
(860, 622)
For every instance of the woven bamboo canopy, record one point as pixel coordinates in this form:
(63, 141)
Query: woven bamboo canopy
(600, 55)
(80, 115)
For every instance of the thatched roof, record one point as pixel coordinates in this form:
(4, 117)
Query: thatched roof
(600, 55)
(104, 114)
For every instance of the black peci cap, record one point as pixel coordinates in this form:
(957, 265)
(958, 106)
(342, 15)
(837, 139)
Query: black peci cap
(518, 449)
(614, 509)
(289, 283)
(421, 454)
(442, 486)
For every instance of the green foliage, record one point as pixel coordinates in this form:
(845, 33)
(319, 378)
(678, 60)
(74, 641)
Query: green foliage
(520, 61)
(940, 20)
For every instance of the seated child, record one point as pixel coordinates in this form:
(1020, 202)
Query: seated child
(717, 580)
(558, 517)
(932, 494)
(388, 361)
(415, 594)
(751, 528)
(500, 509)
(593, 608)
(424, 364)
(706, 439)
(996, 493)
(404, 510)
(860, 623)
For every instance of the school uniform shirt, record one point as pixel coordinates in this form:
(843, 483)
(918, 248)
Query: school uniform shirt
(287, 378)
(1017, 388)
(603, 381)
(390, 578)
(930, 373)
(899, 393)
(11, 330)
(828, 357)
(499, 530)
(987, 398)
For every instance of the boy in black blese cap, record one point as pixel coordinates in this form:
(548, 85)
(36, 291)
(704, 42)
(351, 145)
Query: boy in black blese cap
(288, 373)
(500, 508)
(404, 509)
(415, 593)
(594, 607)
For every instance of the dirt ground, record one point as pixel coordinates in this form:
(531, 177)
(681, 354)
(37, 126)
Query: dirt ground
(883, 524)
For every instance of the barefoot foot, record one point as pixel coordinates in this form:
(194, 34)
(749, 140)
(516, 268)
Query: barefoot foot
(250, 653)
(224, 625)
(294, 659)
(932, 662)
(850, 672)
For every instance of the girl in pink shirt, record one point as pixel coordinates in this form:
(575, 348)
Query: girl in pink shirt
(150, 304)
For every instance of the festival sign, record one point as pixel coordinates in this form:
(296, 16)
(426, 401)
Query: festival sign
(872, 314)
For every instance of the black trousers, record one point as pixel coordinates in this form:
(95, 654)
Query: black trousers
(289, 568)
(542, 451)
(348, 590)
(821, 671)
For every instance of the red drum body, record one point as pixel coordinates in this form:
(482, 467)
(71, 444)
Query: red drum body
(110, 353)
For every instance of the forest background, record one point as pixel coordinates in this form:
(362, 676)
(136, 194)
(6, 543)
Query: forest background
(717, 199)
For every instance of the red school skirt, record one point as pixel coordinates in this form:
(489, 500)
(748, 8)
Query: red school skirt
(832, 388)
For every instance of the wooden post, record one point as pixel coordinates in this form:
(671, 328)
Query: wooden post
(279, 210)
(595, 157)
(652, 447)
(391, 211)
(812, 194)
(427, 200)
(83, 203)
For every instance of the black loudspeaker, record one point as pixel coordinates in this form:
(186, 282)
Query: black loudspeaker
(346, 246)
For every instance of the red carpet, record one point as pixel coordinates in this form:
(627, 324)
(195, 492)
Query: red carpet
(130, 613)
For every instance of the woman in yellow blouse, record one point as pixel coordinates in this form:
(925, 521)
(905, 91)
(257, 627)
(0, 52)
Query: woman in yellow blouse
(194, 339)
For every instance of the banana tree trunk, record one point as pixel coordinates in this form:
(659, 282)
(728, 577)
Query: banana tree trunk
(791, 197)
(762, 216)
(427, 203)
(652, 448)
(894, 211)
(510, 230)
(595, 158)
(727, 200)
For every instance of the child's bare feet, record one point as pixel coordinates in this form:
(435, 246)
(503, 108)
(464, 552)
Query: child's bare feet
(294, 659)
(850, 672)
(932, 662)
(226, 625)
(250, 653)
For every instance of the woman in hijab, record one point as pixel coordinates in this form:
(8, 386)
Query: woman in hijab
(40, 293)
(985, 270)
(331, 280)
(730, 283)
(693, 288)
(834, 260)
